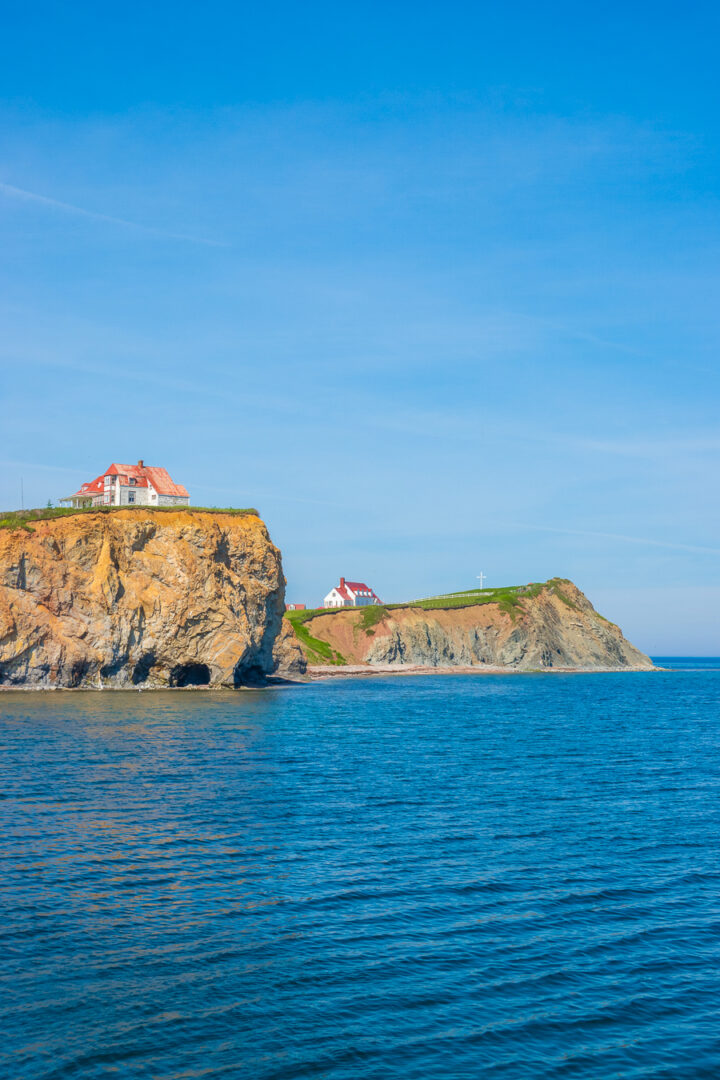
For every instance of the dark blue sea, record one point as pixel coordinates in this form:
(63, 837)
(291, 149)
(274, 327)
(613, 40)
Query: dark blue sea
(391, 878)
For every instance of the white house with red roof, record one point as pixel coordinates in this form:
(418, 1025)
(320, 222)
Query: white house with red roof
(128, 485)
(350, 594)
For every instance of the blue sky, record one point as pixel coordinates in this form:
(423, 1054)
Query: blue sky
(432, 286)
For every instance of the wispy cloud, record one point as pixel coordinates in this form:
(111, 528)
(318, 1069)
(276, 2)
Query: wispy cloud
(68, 208)
(645, 541)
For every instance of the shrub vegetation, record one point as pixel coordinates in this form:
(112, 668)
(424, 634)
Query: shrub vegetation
(316, 650)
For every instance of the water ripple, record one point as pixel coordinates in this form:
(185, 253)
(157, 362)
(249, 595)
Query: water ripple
(502, 877)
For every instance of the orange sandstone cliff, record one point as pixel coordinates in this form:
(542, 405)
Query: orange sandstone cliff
(139, 598)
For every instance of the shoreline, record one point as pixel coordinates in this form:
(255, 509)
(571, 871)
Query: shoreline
(319, 673)
(326, 673)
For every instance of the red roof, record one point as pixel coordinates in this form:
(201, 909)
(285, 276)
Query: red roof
(93, 488)
(355, 587)
(160, 480)
(141, 474)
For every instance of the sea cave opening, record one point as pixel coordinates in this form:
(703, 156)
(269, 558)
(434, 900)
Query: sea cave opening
(190, 675)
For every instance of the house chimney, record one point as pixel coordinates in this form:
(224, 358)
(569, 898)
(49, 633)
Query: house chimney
(342, 582)
(141, 464)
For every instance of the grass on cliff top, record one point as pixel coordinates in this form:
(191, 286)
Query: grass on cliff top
(23, 519)
(508, 598)
(316, 651)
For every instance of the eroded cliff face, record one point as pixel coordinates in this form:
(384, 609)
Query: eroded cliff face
(288, 657)
(557, 628)
(139, 598)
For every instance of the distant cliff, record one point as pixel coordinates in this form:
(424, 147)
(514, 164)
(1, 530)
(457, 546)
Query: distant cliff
(543, 626)
(139, 598)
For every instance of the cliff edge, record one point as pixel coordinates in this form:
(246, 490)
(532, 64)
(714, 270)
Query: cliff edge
(533, 627)
(139, 598)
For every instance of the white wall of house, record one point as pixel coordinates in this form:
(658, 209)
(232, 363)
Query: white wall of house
(132, 495)
(333, 599)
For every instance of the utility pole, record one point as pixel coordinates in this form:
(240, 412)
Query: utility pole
(22, 494)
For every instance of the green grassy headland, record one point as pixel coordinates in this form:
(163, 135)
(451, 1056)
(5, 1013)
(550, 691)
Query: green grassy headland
(508, 598)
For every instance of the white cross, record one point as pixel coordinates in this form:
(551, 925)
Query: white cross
(481, 578)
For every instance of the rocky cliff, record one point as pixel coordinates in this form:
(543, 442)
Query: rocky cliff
(533, 627)
(288, 657)
(139, 597)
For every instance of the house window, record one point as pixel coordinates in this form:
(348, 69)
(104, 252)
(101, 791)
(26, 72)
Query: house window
(131, 496)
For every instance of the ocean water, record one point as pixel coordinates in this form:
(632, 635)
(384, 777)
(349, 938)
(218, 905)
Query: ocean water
(445, 876)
